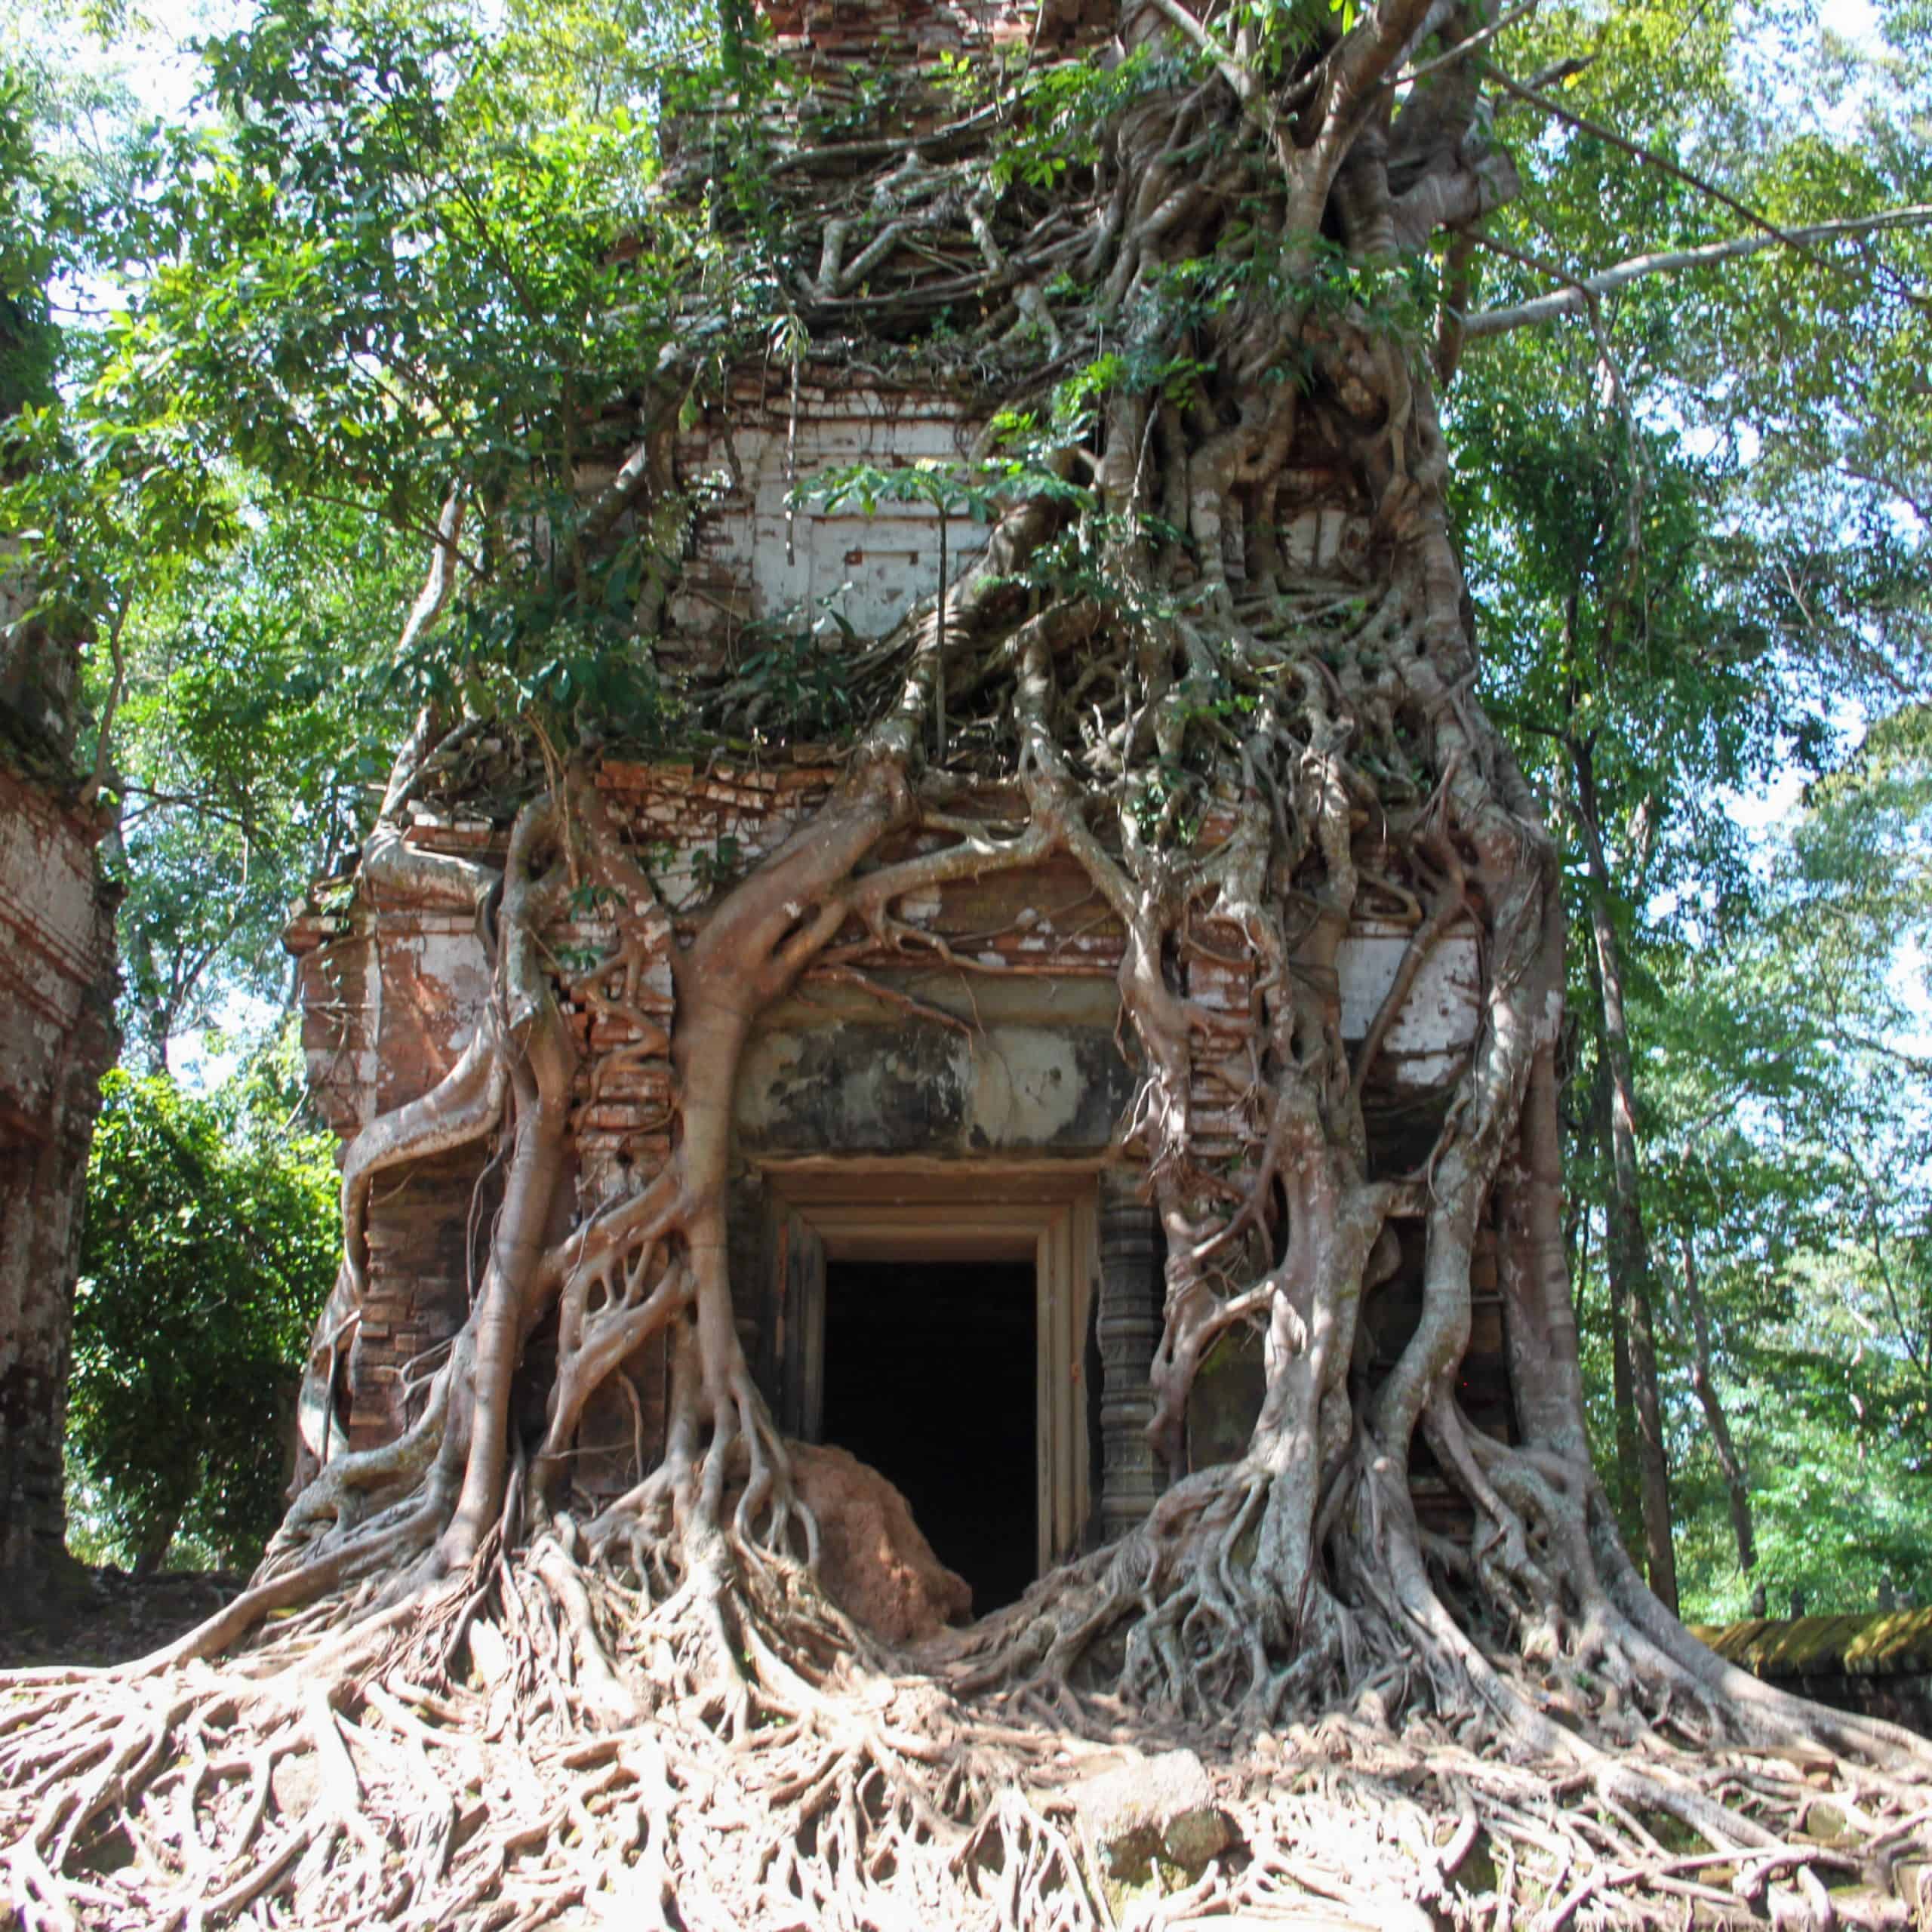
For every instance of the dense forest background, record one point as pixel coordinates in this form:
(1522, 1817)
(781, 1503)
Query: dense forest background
(1692, 494)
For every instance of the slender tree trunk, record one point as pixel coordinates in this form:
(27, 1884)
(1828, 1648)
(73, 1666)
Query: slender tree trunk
(1736, 1477)
(1627, 1252)
(1629, 1490)
(152, 1012)
(1623, 1481)
(938, 679)
(155, 1542)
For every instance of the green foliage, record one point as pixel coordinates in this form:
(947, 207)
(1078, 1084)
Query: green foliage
(1821, 1179)
(26, 339)
(952, 489)
(1840, 1485)
(1748, 363)
(54, 176)
(1789, 1162)
(100, 512)
(402, 252)
(1064, 108)
(394, 253)
(800, 675)
(1159, 805)
(387, 267)
(210, 1241)
(1697, 567)
(406, 264)
(258, 713)
(715, 866)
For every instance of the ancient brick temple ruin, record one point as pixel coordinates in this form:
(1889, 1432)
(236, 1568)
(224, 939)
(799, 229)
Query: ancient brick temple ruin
(58, 977)
(921, 1203)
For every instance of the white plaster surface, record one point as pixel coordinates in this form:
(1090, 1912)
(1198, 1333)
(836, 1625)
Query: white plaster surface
(1439, 1021)
(754, 563)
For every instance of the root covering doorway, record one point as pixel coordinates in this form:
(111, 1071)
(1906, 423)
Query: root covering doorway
(929, 1374)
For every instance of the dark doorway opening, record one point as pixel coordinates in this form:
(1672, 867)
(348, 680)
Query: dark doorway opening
(929, 1377)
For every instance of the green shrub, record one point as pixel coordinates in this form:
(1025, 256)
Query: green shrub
(210, 1241)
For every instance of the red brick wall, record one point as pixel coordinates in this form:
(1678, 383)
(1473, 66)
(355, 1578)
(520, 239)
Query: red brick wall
(57, 982)
(391, 992)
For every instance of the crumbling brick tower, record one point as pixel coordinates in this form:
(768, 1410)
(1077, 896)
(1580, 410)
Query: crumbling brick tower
(884, 1152)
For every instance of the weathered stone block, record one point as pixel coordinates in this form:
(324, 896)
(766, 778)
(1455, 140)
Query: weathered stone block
(1151, 1807)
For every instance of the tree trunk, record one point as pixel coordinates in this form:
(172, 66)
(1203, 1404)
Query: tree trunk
(1703, 1382)
(157, 1538)
(1627, 1250)
(1625, 1483)
(1626, 1490)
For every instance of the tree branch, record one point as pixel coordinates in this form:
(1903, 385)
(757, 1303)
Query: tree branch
(1638, 152)
(1576, 299)
(1240, 78)
(1464, 48)
(1359, 66)
(435, 594)
(97, 778)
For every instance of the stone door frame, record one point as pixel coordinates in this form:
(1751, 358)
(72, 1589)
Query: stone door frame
(911, 1210)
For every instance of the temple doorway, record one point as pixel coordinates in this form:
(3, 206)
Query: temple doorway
(936, 1324)
(929, 1376)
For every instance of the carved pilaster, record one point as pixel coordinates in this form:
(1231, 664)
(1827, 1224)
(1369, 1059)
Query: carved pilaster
(1129, 1325)
(748, 1243)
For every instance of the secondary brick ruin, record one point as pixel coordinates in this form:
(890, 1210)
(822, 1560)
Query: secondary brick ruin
(57, 982)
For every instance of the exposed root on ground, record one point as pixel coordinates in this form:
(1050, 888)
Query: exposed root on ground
(548, 1739)
(463, 1692)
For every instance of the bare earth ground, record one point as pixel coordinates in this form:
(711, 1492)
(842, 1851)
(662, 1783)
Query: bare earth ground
(109, 1617)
